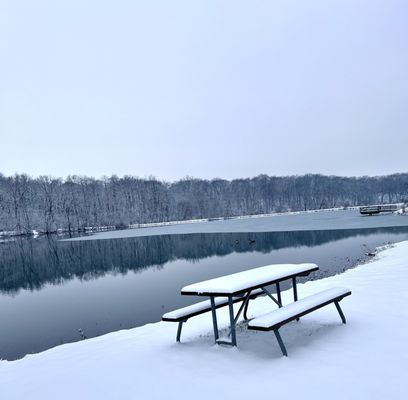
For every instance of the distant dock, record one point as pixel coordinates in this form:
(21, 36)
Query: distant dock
(377, 209)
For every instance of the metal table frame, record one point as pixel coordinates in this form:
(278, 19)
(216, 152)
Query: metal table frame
(244, 306)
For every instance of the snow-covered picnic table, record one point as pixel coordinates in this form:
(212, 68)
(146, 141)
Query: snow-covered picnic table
(243, 284)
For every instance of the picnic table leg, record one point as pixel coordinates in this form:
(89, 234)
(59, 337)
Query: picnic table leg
(343, 318)
(246, 304)
(280, 341)
(214, 318)
(243, 305)
(295, 294)
(180, 326)
(232, 321)
(246, 310)
(278, 303)
(279, 292)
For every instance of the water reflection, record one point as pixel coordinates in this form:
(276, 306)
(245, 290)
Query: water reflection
(32, 263)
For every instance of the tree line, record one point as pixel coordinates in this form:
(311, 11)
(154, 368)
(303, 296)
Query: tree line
(47, 204)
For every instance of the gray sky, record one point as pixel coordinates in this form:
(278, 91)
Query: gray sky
(203, 88)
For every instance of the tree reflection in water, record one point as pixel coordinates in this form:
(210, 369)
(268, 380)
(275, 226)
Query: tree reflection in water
(31, 263)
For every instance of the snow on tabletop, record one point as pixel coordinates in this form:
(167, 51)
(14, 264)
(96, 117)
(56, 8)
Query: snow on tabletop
(366, 359)
(292, 309)
(241, 280)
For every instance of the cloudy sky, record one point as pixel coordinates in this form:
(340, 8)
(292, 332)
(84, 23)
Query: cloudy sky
(203, 88)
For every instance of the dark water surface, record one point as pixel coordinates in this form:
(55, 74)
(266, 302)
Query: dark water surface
(54, 292)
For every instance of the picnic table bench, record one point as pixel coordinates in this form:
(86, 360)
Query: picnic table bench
(184, 314)
(247, 285)
(275, 319)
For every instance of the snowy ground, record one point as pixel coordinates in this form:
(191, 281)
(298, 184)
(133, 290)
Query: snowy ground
(321, 220)
(365, 359)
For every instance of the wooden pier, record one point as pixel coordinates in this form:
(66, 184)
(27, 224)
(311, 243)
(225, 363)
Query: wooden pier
(377, 209)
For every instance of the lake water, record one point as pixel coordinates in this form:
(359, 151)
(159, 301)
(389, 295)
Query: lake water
(54, 292)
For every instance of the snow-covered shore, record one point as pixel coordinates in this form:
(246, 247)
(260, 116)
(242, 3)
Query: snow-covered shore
(365, 359)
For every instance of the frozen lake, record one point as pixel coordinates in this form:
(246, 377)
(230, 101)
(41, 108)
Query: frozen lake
(301, 221)
(54, 291)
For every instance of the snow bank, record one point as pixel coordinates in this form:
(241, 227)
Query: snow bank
(365, 359)
(402, 211)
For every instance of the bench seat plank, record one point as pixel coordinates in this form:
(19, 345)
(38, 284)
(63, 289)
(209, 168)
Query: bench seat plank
(289, 312)
(202, 307)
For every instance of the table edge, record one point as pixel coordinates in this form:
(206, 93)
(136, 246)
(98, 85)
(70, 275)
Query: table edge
(226, 294)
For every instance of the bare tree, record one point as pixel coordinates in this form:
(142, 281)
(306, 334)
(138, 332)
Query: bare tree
(48, 204)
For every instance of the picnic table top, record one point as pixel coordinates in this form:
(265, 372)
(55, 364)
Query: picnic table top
(246, 280)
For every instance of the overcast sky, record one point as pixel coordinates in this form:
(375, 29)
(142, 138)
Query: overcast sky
(203, 88)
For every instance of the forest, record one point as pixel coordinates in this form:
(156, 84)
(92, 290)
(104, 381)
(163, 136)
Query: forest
(47, 204)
